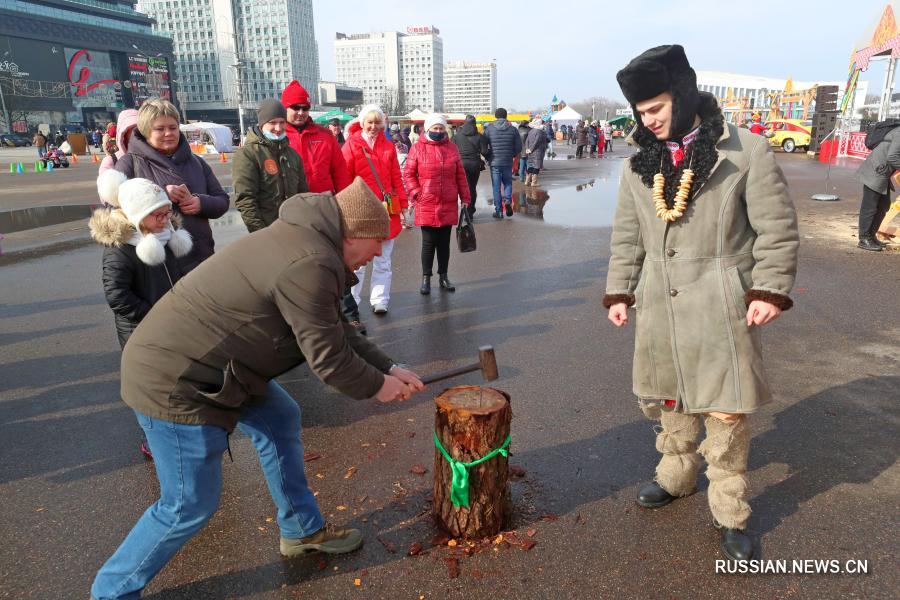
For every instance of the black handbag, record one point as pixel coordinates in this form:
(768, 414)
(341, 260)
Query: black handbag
(465, 231)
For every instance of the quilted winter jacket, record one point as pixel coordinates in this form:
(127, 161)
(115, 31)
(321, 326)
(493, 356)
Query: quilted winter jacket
(384, 157)
(323, 162)
(435, 179)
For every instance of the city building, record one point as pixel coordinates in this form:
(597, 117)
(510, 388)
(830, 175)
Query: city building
(470, 87)
(757, 90)
(397, 71)
(341, 96)
(237, 51)
(77, 63)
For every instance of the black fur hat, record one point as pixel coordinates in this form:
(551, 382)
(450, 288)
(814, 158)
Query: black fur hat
(663, 69)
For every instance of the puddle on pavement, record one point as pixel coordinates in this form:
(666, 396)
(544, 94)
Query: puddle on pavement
(12, 221)
(588, 204)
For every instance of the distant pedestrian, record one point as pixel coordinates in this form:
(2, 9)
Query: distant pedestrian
(591, 133)
(436, 181)
(414, 135)
(548, 129)
(266, 171)
(608, 136)
(581, 139)
(520, 167)
(125, 126)
(473, 151)
(108, 140)
(40, 142)
(334, 126)
(505, 143)
(535, 147)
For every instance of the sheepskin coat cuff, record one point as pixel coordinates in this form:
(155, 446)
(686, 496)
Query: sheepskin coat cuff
(611, 299)
(780, 300)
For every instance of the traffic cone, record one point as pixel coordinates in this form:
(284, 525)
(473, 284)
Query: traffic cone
(37, 167)
(223, 158)
(49, 165)
(12, 168)
(19, 168)
(74, 158)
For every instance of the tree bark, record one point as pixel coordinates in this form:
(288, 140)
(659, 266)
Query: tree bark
(470, 422)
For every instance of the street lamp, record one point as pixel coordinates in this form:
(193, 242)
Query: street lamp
(6, 116)
(237, 66)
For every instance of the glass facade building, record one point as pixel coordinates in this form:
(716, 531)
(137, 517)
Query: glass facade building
(75, 64)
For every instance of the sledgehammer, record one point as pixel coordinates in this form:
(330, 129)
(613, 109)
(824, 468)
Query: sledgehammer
(487, 363)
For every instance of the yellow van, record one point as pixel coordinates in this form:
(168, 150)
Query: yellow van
(789, 134)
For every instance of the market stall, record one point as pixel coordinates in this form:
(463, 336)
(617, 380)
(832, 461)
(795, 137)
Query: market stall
(208, 138)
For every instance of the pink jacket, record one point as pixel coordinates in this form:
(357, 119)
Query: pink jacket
(127, 121)
(435, 179)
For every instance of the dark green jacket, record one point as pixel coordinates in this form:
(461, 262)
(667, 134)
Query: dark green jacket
(249, 313)
(265, 173)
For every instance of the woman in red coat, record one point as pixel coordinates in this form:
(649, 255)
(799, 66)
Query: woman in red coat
(366, 149)
(435, 179)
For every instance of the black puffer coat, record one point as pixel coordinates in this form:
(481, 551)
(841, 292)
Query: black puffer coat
(131, 286)
(471, 144)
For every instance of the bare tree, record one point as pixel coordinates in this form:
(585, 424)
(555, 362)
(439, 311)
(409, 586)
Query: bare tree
(392, 101)
(601, 106)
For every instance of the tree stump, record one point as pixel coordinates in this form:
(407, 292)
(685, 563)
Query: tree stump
(470, 423)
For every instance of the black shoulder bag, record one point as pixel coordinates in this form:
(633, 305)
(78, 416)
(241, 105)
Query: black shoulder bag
(465, 231)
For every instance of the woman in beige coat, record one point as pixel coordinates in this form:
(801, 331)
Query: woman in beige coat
(703, 270)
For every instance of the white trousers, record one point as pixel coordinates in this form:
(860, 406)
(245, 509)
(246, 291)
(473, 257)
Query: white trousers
(381, 277)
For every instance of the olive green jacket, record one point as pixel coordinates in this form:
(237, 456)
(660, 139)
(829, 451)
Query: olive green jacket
(691, 281)
(251, 312)
(265, 173)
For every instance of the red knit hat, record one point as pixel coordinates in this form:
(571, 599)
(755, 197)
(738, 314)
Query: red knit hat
(294, 93)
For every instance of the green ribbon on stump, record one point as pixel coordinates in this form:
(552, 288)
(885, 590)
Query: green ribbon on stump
(459, 485)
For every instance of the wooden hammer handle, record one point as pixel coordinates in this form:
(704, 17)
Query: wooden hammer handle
(451, 373)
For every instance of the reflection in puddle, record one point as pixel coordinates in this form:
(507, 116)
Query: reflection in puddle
(588, 204)
(23, 219)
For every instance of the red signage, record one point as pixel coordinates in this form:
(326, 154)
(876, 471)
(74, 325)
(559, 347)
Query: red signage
(81, 85)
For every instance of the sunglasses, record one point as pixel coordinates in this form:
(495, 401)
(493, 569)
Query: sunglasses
(300, 107)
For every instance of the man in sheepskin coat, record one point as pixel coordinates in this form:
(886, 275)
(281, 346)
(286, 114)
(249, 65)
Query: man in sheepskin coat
(704, 248)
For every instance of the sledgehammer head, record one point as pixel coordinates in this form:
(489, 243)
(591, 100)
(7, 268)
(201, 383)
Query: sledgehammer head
(488, 362)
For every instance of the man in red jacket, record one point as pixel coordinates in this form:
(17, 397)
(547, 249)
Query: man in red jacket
(323, 162)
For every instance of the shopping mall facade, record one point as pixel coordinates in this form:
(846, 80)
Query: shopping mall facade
(75, 64)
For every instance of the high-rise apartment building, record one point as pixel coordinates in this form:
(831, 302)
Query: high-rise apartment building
(398, 71)
(231, 50)
(470, 87)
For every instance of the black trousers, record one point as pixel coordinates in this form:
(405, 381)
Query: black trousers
(579, 151)
(349, 306)
(473, 172)
(435, 239)
(872, 211)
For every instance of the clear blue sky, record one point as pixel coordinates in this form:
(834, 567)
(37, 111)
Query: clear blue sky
(573, 48)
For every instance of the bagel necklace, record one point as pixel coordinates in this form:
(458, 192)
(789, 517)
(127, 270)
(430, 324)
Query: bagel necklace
(679, 203)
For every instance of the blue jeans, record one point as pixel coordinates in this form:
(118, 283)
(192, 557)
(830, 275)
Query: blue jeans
(523, 166)
(501, 176)
(188, 461)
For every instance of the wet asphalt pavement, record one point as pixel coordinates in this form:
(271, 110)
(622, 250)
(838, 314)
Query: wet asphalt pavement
(824, 463)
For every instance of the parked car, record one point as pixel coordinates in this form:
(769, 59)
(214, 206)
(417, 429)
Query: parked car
(14, 140)
(789, 134)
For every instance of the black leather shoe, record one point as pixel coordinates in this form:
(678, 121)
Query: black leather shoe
(445, 283)
(868, 243)
(509, 209)
(736, 544)
(426, 285)
(471, 209)
(653, 495)
(497, 215)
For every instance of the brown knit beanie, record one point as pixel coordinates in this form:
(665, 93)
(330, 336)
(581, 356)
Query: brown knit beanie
(362, 214)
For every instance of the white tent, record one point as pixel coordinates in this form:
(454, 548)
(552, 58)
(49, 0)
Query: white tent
(211, 134)
(566, 116)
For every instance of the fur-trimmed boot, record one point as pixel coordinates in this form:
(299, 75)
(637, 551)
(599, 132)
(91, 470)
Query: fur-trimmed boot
(677, 442)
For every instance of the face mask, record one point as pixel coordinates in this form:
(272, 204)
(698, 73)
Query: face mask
(275, 138)
(436, 136)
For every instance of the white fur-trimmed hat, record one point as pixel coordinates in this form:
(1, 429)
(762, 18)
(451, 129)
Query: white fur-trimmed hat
(137, 198)
(370, 108)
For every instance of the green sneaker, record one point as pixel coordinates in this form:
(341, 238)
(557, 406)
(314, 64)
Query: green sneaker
(329, 539)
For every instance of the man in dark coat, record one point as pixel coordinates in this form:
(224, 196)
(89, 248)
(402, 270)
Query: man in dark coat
(875, 175)
(472, 147)
(505, 143)
(204, 361)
